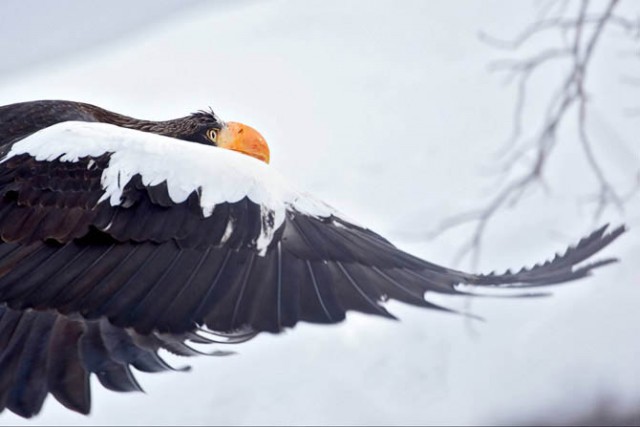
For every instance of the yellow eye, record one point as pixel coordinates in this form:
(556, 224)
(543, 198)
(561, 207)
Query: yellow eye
(212, 134)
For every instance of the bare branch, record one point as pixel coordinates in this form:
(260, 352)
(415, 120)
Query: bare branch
(607, 194)
(557, 23)
(586, 31)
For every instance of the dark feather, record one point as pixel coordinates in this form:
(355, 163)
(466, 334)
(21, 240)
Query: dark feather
(10, 359)
(318, 303)
(67, 377)
(29, 388)
(198, 296)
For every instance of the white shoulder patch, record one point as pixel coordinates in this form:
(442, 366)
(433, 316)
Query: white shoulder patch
(221, 175)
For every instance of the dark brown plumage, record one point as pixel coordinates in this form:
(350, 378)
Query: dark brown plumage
(23, 119)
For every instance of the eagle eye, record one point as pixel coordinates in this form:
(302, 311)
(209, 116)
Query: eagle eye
(212, 135)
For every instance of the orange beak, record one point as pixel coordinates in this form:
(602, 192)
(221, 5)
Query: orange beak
(244, 139)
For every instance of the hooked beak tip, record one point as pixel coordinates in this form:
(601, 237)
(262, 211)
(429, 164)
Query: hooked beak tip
(244, 139)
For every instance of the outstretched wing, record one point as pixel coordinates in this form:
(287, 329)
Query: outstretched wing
(150, 235)
(44, 352)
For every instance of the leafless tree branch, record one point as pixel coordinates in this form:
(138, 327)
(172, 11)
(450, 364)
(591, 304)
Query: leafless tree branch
(560, 23)
(583, 32)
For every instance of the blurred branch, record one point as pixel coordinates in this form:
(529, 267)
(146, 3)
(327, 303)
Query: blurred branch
(562, 24)
(583, 33)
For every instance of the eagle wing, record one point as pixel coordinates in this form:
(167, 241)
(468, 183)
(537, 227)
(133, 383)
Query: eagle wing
(110, 235)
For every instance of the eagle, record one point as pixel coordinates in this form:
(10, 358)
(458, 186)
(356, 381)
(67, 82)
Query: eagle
(122, 237)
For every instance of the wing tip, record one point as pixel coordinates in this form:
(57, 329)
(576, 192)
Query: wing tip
(561, 268)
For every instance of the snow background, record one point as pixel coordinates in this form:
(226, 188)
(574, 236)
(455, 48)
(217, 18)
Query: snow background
(385, 110)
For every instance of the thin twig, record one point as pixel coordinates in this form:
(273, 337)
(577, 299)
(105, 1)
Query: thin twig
(557, 23)
(571, 95)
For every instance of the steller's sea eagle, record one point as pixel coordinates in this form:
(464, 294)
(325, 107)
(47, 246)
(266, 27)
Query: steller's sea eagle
(121, 237)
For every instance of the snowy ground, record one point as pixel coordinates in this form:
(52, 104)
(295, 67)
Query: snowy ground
(386, 111)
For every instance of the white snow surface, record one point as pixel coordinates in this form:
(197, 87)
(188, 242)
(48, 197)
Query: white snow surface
(218, 175)
(386, 110)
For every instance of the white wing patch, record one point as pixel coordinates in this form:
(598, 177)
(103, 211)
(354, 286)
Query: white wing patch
(221, 175)
(228, 230)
